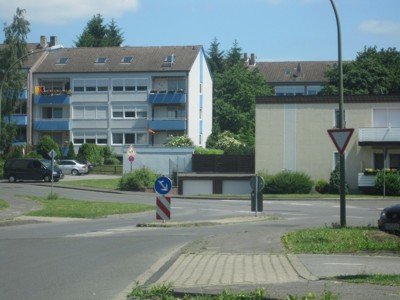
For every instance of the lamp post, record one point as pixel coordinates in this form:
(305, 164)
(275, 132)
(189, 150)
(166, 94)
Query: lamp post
(341, 122)
(48, 49)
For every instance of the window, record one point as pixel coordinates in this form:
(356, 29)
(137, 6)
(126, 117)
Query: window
(127, 60)
(394, 161)
(51, 112)
(62, 61)
(129, 112)
(101, 60)
(313, 90)
(129, 85)
(289, 90)
(129, 138)
(176, 84)
(378, 161)
(138, 138)
(89, 112)
(386, 117)
(90, 85)
(170, 58)
(90, 138)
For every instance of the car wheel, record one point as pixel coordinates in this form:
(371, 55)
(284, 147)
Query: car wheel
(74, 172)
(12, 179)
(47, 178)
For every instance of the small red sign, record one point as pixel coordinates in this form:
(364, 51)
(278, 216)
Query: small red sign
(341, 138)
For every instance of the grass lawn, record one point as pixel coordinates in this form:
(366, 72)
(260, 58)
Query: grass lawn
(338, 240)
(67, 208)
(109, 184)
(3, 204)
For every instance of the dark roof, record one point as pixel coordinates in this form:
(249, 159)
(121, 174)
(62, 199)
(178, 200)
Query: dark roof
(326, 99)
(145, 59)
(294, 71)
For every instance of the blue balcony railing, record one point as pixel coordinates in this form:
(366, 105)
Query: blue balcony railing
(49, 125)
(54, 99)
(167, 97)
(167, 125)
(20, 120)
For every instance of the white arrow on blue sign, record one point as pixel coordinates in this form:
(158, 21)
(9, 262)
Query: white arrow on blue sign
(163, 185)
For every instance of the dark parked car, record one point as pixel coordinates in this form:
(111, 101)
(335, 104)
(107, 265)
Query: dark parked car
(21, 169)
(390, 219)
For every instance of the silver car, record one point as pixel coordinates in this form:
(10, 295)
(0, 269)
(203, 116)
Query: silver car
(70, 166)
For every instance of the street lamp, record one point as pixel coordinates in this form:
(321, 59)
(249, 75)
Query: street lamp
(48, 49)
(341, 122)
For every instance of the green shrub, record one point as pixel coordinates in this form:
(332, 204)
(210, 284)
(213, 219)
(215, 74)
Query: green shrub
(90, 152)
(138, 179)
(199, 150)
(334, 181)
(390, 180)
(289, 182)
(266, 178)
(322, 186)
(112, 161)
(45, 145)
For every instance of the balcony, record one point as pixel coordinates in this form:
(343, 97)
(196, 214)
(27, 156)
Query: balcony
(164, 97)
(167, 124)
(52, 99)
(19, 120)
(52, 125)
(379, 136)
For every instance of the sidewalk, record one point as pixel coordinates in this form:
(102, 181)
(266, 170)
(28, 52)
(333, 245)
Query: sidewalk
(214, 264)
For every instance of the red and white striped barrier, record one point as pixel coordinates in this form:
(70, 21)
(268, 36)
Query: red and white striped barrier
(163, 211)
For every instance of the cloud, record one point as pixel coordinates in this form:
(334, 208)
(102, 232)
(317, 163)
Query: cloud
(58, 12)
(380, 28)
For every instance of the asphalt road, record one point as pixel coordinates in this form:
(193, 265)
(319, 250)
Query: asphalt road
(97, 259)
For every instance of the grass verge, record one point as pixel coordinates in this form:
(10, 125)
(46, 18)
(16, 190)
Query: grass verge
(3, 204)
(379, 279)
(109, 184)
(166, 292)
(340, 240)
(67, 208)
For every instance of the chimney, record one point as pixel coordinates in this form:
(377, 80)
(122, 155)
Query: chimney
(43, 41)
(246, 58)
(252, 60)
(53, 41)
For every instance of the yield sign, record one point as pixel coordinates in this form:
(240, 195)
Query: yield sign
(341, 138)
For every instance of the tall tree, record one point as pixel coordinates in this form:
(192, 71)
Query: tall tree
(234, 101)
(215, 57)
(96, 34)
(13, 80)
(234, 55)
(113, 37)
(373, 72)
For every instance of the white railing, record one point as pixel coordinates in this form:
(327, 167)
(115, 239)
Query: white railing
(379, 134)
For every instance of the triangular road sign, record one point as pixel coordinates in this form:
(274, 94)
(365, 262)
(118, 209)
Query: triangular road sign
(341, 138)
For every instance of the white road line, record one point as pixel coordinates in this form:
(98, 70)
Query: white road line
(301, 204)
(109, 232)
(344, 264)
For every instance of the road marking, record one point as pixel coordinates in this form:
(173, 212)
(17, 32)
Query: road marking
(344, 264)
(118, 230)
(301, 204)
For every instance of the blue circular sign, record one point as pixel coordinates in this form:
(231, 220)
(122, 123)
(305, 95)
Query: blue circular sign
(163, 185)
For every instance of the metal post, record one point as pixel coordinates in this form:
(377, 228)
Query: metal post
(341, 123)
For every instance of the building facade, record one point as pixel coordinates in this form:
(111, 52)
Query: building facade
(291, 134)
(121, 96)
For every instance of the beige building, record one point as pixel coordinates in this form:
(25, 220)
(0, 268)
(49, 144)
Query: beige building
(291, 134)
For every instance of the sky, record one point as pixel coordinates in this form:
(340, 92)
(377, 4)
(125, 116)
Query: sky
(274, 30)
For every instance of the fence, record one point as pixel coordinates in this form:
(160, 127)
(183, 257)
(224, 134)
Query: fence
(107, 169)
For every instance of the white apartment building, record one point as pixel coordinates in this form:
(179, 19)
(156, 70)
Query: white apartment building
(122, 96)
